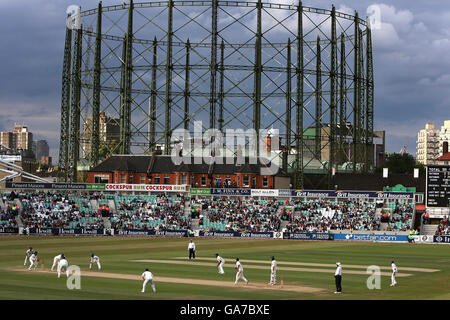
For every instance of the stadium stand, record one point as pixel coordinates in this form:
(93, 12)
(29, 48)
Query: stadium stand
(443, 228)
(239, 215)
(172, 212)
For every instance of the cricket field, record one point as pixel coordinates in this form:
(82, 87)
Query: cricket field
(305, 269)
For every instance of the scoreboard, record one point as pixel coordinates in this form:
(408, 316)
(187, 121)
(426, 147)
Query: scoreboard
(438, 186)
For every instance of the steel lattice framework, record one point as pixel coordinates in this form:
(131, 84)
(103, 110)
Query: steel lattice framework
(153, 67)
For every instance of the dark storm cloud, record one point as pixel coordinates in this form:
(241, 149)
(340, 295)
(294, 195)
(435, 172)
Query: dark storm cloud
(412, 71)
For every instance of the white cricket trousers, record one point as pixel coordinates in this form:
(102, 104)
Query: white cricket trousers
(55, 263)
(273, 277)
(240, 275)
(33, 263)
(151, 283)
(98, 264)
(25, 262)
(221, 268)
(393, 282)
(65, 266)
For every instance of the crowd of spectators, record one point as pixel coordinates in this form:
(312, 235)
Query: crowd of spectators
(168, 212)
(8, 213)
(323, 216)
(7, 220)
(161, 212)
(301, 216)
(224, 214)
(60, 210)
(443, 228)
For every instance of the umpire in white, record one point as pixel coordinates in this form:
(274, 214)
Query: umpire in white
(338, 277)
(191, 248)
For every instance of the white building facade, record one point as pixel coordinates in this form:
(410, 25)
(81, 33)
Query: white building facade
(428, 144)
(444, 136)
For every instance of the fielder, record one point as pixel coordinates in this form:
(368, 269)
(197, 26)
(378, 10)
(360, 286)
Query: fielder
(33, 260)
(273, 272)
(56, 260)
(95, 259)
(147, 276)
(220, 263)
(63, 263)
(240, 272)
(394, 273)
(28, 255)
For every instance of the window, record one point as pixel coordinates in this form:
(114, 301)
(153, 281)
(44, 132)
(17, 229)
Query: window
(265, 182)
(101, 179)
(253, 182)
(142, 180)
(245, 181)
(123, 178)
(130, 179)
(156, 180)
(166, 180)
(419, 197)
(183, 179)
(203, 181)
(238, 181)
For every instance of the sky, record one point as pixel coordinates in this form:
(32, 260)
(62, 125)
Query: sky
(412, 68)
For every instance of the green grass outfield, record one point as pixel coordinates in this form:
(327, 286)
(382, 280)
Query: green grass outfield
(118, 255)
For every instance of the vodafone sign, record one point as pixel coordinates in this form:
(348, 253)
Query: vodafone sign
(146, 187)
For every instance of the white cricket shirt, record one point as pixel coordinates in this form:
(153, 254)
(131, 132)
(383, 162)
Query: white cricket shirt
(338, 271)
(147, 275)
(394, 267)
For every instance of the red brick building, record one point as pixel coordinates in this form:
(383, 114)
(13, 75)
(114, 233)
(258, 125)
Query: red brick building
(160, 169)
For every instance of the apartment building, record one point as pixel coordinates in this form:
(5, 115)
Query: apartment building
(428, 144)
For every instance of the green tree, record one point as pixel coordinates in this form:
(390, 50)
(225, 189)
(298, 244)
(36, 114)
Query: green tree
(401, 163)
(107, 148)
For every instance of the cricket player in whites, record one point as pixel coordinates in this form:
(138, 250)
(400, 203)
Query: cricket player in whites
(28, 255)
(394, 273)
(33, 260)
(147, 276)
(95, 259)
(220, 263)
(56, 260)
(273, 272)
(63, 263)
(240, 272)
